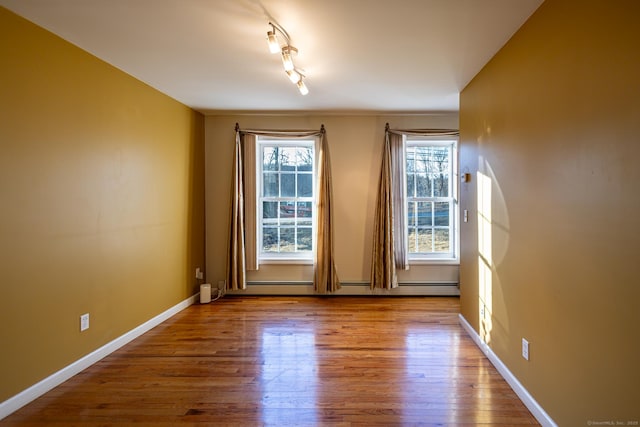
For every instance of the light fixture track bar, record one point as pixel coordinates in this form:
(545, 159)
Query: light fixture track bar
(287, 52)
(282, 31)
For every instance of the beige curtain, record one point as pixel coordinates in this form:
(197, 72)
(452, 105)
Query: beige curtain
(249, 167)
(383, 264)
(242, 246)
(390, 231)
(396, 150)
(236, 261)
(325, 277)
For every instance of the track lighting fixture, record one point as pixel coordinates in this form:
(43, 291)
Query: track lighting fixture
(294, 76)
(302, 87)
(272, 39)
(287, 57)
(287, 53)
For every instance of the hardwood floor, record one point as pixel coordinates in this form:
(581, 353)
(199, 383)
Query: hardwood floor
(342, 361)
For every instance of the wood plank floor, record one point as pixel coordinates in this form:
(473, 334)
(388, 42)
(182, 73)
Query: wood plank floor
(247, 361)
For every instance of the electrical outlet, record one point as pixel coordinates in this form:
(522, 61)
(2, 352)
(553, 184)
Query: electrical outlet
(525, 349)
(84, 322)
(199, 274)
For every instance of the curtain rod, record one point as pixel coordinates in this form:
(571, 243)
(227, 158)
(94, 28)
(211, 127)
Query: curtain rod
(418, 132)
(237, 128)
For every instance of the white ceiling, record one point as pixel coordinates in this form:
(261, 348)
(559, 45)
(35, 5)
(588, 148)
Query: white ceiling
(359, 55)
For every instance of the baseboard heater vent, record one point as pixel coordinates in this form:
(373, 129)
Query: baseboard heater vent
(351, 289)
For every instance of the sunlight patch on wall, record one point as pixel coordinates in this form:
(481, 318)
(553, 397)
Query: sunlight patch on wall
(485, 274)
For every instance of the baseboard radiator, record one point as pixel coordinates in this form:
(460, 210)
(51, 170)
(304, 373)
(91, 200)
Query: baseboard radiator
(351, 289)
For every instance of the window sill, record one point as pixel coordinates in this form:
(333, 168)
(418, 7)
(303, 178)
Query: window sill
(434, 261)
(285, 261)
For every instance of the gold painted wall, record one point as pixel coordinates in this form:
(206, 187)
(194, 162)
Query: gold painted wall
(355, 145)
(549, 130)
(101, 202)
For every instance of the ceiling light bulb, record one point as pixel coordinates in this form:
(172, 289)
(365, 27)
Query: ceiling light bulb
(287, 61)
(294, 76)
(274, 46)
(302, 87)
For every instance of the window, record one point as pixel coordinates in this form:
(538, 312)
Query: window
(431, 200)
(286, 198)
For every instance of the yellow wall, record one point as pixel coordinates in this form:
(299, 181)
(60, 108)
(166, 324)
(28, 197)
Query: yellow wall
(553, 123)
(101, 202)
(355, 144)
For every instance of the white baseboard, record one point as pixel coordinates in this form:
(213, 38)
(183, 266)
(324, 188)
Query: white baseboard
(16, 402)
(528, 400)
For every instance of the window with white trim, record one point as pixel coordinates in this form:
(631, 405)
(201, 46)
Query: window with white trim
(286, 198)
(431, 202)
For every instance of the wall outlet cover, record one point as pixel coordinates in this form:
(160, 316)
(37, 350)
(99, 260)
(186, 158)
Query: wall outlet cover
(525, 349)
(84, 322)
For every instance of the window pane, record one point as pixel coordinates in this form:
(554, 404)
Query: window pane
(304, 239)
(422, 159)
(442, 240)
(305, 185)
(305, 223)
(270, 184)
(441, 214)
(423, 186)
(440, 160)
(269, 239)
(412, 240)
(287, 239)
(269, 209)
(425, 213)
(288, 158)
(304, 210)
(288, 185)
(270, 159)
(411, 186)
(410, 161)
(440, 170)
(287, 210)
(305, 159)
(412, 214)
(425, 240)
(441, 185)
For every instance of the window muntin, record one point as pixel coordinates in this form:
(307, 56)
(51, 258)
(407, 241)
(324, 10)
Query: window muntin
(430, 202)
(286, 198)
